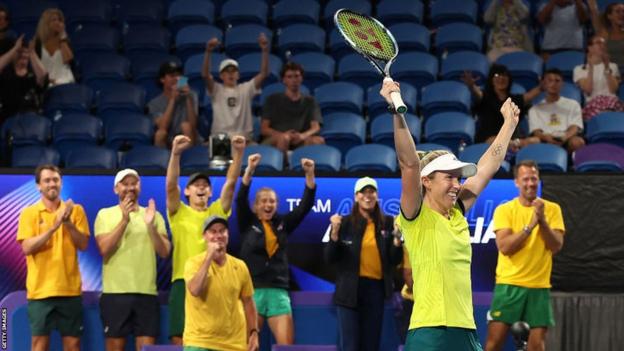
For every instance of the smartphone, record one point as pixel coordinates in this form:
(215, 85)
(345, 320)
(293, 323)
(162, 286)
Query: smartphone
(182, 81)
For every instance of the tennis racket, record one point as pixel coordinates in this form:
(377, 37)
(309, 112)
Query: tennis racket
(372, 40)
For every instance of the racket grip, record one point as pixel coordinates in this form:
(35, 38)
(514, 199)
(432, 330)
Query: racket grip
(397, 101)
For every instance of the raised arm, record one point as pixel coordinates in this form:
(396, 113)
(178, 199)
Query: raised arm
(208, 79)
(471, 83)
(10, 55)
(263, 42)
(294, 218)
(66, 51)
(40, 71)
(493, 157)
(545, 14)
(411, 193)
(244, 213)
(227, 191)
(178, 145)
(594, 13)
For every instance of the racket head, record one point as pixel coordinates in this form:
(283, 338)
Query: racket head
(367, 36)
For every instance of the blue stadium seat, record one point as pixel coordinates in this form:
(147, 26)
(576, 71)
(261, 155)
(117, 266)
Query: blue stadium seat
(390, 12)
(277, 87)
(448, 11)
(95, 39)
(343, 131)
(189, 12)
(621, 92)
(371, 157)
(300, 38)
(445, 96)
(525, 67)
(287, 12)
(243, 39)
(79, 13)
(326, 158)
(27, 129)
(549, 158)
(34, 155)
(432, 147)
(339, 97)
(141, 11)
(145, 72)
(382, 129)
(565, 61)
(119, 98)
(191, 40)
(73, 131)
(101, 70)
(196, 158)
(568, 90)
(27, 13)
(599, 158)
(454, 37)
(68, 98)
(411, 36)
(249, 66)
(146, 157)
(606, 127)
(124, 130)
(472, 153)
(318, 67)
(237, 12)
(377, 105)
(142, 39)
(455, 64)
(93, 157)
(356, 69)
(416, 68)
(272, 158)
(193, 70)
(337, 45)
(450, 129)
(359, 6)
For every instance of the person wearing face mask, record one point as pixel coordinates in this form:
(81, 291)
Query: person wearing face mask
(365, 253)
(52, 46)
(129, 237)
(231, 101)
(264, 245)
(529, 231)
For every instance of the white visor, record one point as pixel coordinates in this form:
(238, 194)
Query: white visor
(448, 162)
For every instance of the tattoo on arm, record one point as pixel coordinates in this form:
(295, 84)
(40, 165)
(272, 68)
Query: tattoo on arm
(498, 150)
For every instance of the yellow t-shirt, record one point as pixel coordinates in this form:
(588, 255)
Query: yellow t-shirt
(52, 271)
(217, 321)
(531, 266)
(440, 253)
(270, 239)
(186, 233)
(370, 260)
(132, 268)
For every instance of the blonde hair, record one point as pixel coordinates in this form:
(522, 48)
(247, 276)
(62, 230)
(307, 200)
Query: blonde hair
(43, 27)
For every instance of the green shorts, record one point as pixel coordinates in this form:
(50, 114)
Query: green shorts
(272, 302)
(61, 313)
(512, 303)
(442, 339)
(176, 308)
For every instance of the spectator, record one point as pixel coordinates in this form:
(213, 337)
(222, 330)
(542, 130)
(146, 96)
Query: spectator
(508, 19)
(365, 254)
(599, 80)
(489, 102)
(23, 80)
(290, 119)
(53, 48)
(175, 110)
(7, 37)
(563, 22)
(231, 102)
(529, 231)
(50, 233)
(220, 310)
(556, 119)
(610, 25)
(264, 247)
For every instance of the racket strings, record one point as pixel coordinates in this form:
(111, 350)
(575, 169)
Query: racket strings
(367, 35)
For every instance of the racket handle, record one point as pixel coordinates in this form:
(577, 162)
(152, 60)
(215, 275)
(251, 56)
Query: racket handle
(398, 103)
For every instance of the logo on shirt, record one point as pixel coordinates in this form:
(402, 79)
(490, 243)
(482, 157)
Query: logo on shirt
(232, 101)
(554, 120)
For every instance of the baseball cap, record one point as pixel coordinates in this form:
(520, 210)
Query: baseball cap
(195, 176)
(448, 162)
(227, 63)
(214, 219)
(362, 183)
(169, 67)
(124, 173)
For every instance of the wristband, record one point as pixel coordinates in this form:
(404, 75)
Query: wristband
(254, 330)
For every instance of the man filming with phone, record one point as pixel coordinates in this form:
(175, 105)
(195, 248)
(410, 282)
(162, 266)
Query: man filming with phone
(174, 111)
